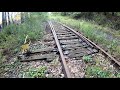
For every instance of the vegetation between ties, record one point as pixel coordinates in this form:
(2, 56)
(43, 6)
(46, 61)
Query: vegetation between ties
(35, 72)
(96, 69)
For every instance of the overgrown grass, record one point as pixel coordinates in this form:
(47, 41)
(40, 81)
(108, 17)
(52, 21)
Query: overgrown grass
(13, 36)
(35, 72)
(96, 68)
(97, 72)
(92, 31)
(87, 59)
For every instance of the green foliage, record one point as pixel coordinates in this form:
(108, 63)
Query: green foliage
(112, 46)
(97, 72)
(9, 66)
(99, 38)
(110, 19)
(100, 19)
(1, 56)
(87, 58)
(78, 14)
(10, 29)
(36, 73)
(118, 75)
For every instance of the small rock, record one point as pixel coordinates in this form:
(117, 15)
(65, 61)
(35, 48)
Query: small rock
(74, 58)
(105, 68)
(37, 63)
(82, 75)
(47, 75)
(69, 66)
(12, 62)
(21, 56)
(80, 60)
(111, 66)
(62, 75)
(53, 71)
(66, 52)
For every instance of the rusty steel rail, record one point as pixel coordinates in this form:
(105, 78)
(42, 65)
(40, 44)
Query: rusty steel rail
(67, 73)
(89, 41)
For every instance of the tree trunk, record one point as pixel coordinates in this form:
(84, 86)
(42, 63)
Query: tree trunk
(22, 17)
(8, 19)
(11, 17)
(3, 19)
(113, 13)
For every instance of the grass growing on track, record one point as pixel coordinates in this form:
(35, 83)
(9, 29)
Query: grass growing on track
(98, 72)
(89, 29)
(35, 72)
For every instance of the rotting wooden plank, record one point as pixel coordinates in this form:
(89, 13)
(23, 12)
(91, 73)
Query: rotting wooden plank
(72, 55)
(67, 43)
(77, 51)
(72, 48)
(66, 35)
(71, 45)
(90, 49)
(83, 43)
(62, 31)
(72, 40)
(48, 49)
(95, 50)
(67, 73)
(80, 40)
(67, 38)
(38, 57)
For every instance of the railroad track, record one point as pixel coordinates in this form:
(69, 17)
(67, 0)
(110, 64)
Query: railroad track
(67, 44)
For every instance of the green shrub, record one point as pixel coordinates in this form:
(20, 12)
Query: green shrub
(87, 58)
(36, 72)
(113, 46)
(97, 72)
